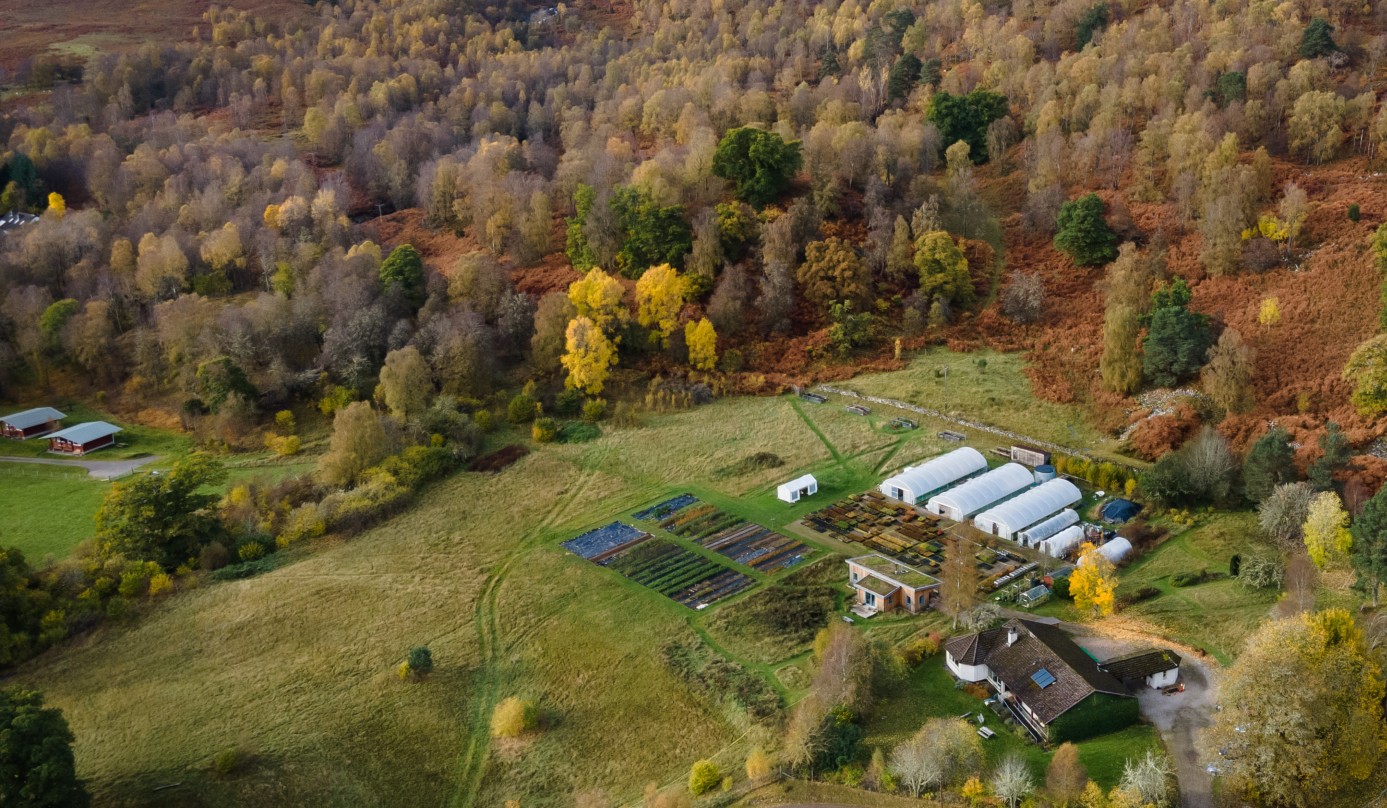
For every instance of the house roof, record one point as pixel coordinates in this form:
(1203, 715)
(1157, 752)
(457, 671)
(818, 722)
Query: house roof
(15, 219)
(32, 418)
(876, 585)
(1141, 664)
(894, 571)
(86, 433)
(1037, 647)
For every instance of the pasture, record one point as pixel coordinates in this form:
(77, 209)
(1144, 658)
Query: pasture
(47, 510)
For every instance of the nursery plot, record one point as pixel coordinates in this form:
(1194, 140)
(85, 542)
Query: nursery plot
(606, 541)
(678, 574)
(745, 542)
(666, 509)
(757, 547)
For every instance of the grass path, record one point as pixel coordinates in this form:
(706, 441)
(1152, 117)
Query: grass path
(488, 625)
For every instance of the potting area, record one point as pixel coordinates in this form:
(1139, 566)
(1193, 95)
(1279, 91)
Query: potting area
(909, 535)
(727, 534)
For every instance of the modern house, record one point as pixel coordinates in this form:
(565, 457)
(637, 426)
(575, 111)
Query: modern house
(1040, 503)
(33, 423)
(915, 484)
(884, 585)
(1048, 683)
(962, 501)
(798, 488)
(83, 438)
(1155, 668)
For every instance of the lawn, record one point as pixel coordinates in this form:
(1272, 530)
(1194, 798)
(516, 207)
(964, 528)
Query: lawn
(134, 441)
(931, 693)
(46, 510)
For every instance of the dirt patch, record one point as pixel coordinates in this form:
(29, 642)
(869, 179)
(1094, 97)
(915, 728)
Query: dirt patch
(498, 460)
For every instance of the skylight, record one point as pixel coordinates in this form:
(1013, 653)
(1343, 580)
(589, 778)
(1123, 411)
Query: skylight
(1043, 678)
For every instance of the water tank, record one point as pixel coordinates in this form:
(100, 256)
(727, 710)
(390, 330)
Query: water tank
(1044, 473)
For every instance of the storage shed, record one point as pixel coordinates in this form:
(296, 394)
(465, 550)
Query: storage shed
(83, 438)
(915, 484)
(1011, 517)
(1062, 542)
(962, 501)
(1034, 535)
(33, 423)
(798, 488)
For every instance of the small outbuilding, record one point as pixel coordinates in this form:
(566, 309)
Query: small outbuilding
(1119, 511)
(33, 423)
(83, 438)
(1155, 668)
(1034, 596)
(797, 489)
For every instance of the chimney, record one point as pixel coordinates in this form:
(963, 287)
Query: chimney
(1011, 636)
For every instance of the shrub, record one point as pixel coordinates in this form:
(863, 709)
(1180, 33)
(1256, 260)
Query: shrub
(160, 584)
(285, 423)
(578, 433)
(1145, 593)
(758, 765)
(1354, 213)
(1192, 578)
(214, 556)
(568, 401)
(1060, 589)
(420, 661)
(522, 409)
(250, 551)
(304, 522)
(594, 409)
(513, 717)
(704, 777)
(283, 445)
(226, 762)
(917, 651)
(545, 430)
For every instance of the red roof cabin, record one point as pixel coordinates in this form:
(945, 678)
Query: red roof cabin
(33, 423)
(83, 438)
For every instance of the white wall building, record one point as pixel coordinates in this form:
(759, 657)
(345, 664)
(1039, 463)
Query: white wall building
(1039, 503)
(962, 501)
(797, 488)
(914, 484)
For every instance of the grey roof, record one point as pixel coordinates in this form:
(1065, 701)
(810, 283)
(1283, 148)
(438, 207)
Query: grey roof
(1140, 664)
(86, 433)
(16, 219)
(32, 418)
(1038, 646)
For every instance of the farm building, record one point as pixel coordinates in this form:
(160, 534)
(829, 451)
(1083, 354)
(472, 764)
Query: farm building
(1034, 535)
(962, 501)
(15, 220)
(914, 484)
(1041, 675)
(1155, 668)
(798, 488)
(1030, 456)
(33, 423)
(83, 438)
(1015, 515)
(883, 585)
(1062, 542)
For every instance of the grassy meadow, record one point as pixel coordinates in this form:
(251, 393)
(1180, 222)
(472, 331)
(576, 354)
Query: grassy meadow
(47, 510)
(133, 441)
(295, 669)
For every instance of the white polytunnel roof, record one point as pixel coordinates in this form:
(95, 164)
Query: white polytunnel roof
(932, 475)
(1034, 505)
(1050, 526)
(979, 492)
(1116, 550)
(1064, 541)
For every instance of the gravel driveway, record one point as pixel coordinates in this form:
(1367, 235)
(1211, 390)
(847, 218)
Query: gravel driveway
(100, 469)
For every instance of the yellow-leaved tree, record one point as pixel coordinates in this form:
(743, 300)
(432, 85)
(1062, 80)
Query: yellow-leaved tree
(588, 355)
(1326, 529)
(1270, 312)
(1093, 582)
(660, 294)
(703, 344)
(57, 205)
(597, 296)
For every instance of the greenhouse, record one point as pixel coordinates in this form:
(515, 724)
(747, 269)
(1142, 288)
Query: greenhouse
(963, 501)
(1014, 515)
(917, 483)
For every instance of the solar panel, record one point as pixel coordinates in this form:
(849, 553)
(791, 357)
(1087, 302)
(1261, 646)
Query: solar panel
(1043, 678)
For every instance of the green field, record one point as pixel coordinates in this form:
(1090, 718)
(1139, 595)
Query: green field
(132, 442)
(46, 510)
